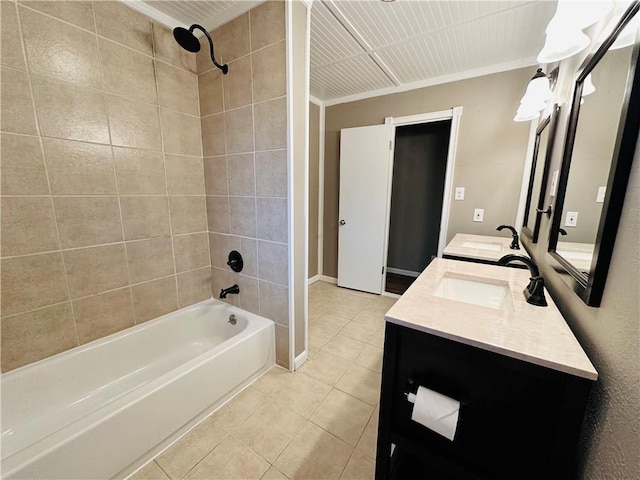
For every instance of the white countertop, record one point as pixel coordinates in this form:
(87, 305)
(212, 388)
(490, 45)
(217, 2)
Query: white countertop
(455, 247)
(537, 335)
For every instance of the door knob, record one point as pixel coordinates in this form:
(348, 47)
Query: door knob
(342, 222)
(547, 211)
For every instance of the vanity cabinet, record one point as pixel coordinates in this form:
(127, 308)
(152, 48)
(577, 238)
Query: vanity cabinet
(517, 420)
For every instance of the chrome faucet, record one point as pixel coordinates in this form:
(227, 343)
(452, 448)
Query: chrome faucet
(235, 289)
(515, 245)
(534, 292)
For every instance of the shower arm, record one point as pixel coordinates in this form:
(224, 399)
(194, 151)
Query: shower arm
(225, 67)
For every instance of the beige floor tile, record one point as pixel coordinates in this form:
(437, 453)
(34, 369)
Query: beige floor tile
(360, 331)
(272, 380)
(302, 394)
(362, 383)
(380, 305)
(314, 454)
(371, 358)
(318, 337)
(367, 444)
(240, 407)
(349, 307)
(331, 323)
(360, 467)
(367, 317)
(344, 347)
(230, 460)
(325, 367)
(193, 447)
(269, 429)
(343, 415)
(151, 471)
(274, 474)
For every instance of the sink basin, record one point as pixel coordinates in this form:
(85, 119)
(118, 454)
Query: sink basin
(494, 247)
(485, 292)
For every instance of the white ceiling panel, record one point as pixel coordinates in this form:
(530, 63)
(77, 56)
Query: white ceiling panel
(330, 41)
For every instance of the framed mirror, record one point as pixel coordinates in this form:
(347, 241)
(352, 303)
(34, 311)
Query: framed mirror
(542, 149)
(598, 153)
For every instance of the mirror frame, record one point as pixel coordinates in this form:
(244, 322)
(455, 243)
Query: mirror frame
(591, 287)
(550, 122)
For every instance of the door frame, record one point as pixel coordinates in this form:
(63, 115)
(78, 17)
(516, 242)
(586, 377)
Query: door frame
(454, 115)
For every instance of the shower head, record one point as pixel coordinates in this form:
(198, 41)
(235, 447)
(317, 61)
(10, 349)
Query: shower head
(187, 40)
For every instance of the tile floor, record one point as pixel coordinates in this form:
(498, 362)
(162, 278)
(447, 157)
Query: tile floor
(318, 423)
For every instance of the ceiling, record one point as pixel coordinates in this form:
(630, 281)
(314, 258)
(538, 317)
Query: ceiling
(366, 47)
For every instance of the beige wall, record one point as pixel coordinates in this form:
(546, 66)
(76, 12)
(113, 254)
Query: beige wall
(490, 155)
(244, 128)
(103, 208)
(314, 186)
(609, 334)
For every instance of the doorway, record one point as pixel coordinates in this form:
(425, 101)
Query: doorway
(417, 195)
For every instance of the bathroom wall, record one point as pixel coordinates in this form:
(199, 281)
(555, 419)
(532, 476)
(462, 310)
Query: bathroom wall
(490, 155)
(244, 131)
(104, 221)
(314, 186)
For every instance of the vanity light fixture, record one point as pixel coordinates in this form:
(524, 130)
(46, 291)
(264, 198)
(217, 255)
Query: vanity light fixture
(629, 36)
(587, 86)
(535, 98)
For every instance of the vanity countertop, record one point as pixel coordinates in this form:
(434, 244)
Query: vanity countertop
(457, 248)
(537, 335)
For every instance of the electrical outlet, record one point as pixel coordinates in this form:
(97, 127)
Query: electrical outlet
(478, 215)
(601, 193)
(459, 193)
(571, 220)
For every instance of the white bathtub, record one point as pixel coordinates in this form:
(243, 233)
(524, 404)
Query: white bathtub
(102, 409)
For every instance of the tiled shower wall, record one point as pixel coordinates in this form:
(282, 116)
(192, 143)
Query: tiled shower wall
(104, 221)
(244, 128)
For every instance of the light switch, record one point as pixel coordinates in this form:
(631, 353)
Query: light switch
(601, 193)
(571, 220)
(459, 193)
(478, 215)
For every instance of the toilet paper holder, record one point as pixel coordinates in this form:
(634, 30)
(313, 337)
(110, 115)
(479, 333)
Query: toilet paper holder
(411, 388)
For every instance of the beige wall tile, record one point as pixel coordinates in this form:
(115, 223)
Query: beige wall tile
(145, 217)
(28, 226)
(59, 50)
(127, 73)
(248, 248)
(241, 173)
(32, 282)
(122, 24)
(11, 52)
(36, 335)
(271, 124)
(192, 251)
(213, 135)
(282, 346)
(218, 214)
(269, 72)
(238, 84)
(69, 111)
(274, 302)
(273, 262)
(219, 250)
(233, 39)
(215, 176)
(139, 172)
(79, 13)
(194, 287)
(210, 92)
(203, 57)
(84, 221)
(96, 269)
(188, 214)
(267, 24)
(134, 124)
(249, 297)
(242, 216)
(185, 175)
(153, 299)
(177, 89)
(23, 171)
(181, 133)
(168, 50)
(78, 168)
(16, 103)
(104, 314)
(150, 259)
(271, 173)
(239, 130)
(272, 219)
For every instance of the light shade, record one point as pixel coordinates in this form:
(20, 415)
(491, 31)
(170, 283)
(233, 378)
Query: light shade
(538, 90)
(587, 86)
(526, 114)
(630, 35)
(562, 42)
(581, 13)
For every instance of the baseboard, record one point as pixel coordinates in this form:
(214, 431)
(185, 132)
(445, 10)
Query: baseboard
(324, 278)
(406, 273)
(389, 294)
(300, 359)
(314, 279)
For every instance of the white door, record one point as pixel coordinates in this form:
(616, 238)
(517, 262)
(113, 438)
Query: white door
(365, 161)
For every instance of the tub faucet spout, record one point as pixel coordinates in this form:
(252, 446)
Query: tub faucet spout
(515, 245)
(534, 292)
(235, 289)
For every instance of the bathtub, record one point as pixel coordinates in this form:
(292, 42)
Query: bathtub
(103, 409)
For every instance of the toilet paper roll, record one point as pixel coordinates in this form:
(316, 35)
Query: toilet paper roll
(435, 411)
